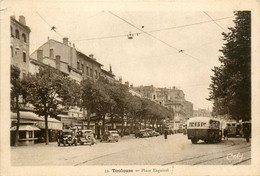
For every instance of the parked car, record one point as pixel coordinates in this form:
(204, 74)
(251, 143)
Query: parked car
(110, 136)
(85, 137)
(67, 137)
(141, 134)
(154, 133)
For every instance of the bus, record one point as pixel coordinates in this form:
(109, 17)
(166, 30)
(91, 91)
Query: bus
(204, 128)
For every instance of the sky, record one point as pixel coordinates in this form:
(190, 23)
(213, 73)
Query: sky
(178, 48)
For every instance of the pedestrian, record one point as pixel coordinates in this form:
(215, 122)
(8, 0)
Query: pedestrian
(246, 134)
(165, 134)
(225, 133)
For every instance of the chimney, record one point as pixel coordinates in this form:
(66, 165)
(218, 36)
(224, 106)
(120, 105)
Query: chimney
(92, 56)
(66, 40)
(22, 20)
(58, 62)
(40, 55)
(110, 68)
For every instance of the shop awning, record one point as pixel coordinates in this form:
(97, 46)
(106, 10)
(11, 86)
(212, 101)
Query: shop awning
(26, 128)
(53, 124)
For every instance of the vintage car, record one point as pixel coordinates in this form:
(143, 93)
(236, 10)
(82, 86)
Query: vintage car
(154, 133)
(66, 137)
(85, 137)
(110, 136)
(141, 134)
(149, 132)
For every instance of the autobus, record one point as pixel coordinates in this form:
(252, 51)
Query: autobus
(204, 128)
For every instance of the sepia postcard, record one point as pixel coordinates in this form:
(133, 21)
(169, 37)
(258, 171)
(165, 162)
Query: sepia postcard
(126, 88)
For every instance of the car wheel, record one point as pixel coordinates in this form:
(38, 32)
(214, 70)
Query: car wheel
(194, 141)
(108, 140)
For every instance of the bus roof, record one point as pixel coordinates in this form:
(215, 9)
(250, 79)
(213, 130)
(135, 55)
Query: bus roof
(202, 119)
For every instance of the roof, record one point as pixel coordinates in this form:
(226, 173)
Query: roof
(32, 116)
(17, 22)
(90, 59)
(26, 128)
(108, 73)
(193, 119)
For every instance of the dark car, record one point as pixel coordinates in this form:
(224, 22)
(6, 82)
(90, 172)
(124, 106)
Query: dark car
(141, 134)
(66, 137)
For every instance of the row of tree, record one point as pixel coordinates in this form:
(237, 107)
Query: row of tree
(52, 93)
(230, 89)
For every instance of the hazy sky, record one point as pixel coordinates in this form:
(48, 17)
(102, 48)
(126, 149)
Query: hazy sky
(143, 60)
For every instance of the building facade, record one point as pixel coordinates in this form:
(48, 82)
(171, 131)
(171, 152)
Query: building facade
(202, 113)
(20, 44)
(171, 98)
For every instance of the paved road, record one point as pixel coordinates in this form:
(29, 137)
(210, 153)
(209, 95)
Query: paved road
(176, 150)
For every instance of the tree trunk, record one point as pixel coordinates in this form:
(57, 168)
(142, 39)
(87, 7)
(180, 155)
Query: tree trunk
(46, 125)
(88, 116)
(112, 118)
(131, 126)
(122, 131)
(18, 121)
(103, 124)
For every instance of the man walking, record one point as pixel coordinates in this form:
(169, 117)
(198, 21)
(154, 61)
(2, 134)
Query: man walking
(165, 134)
(246, 134)
(225, 133)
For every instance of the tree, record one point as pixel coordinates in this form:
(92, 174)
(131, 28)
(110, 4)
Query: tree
(96, 100)
(134, 108)
(121, 97)
(48, 91)
(230, 89)
(16, 92)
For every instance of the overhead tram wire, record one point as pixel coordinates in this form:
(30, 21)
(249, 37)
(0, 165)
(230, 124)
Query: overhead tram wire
(151, 31)
(143, 31)
(157, 38)
(49, 24)
(214, 21)
(83, 19)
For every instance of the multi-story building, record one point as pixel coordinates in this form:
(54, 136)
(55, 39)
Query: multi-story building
(202, 113)
(172, 98)
(188, 106)
(20, 42)
(108, 75)
(89, 66)
(61, 56)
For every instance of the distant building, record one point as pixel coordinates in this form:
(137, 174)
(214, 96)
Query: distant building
(67, 59)
(188, 108)
(108, 75)
(171, 98)
(202, 113)
(20, 44)
(135, 93)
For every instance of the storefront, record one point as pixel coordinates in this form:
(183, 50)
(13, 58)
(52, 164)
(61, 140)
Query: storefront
(26, 134)
(32, 128)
